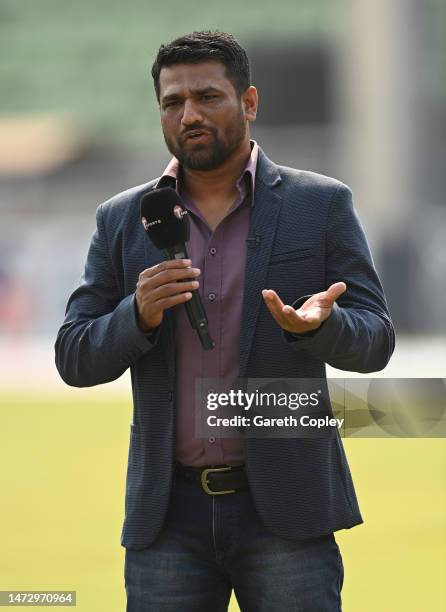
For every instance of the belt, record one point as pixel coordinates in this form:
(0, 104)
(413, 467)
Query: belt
(217, 480)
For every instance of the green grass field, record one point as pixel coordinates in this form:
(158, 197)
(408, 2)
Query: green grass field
(63, 461)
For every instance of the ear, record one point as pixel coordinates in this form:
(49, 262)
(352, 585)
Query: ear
(250, 101)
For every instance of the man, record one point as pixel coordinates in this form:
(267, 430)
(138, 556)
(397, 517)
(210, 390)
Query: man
(288, 284)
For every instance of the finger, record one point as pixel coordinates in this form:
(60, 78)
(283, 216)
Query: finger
(172, 289)
(174, 275)
(173, 300)
(286, 316)
(290, 312)
(298, 321)
(281, 310)
(165, 265)
(294, 321)
(272, 298)
(325, 299)
(274, 303)
(315, 315)
(283, 314)
(335, 290)
(170, 275)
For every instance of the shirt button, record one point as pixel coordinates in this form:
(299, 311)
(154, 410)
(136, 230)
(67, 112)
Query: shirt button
(211, 440)
(212, 251)
(212, 296)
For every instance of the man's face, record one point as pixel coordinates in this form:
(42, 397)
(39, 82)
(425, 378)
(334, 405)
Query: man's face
(204, 120)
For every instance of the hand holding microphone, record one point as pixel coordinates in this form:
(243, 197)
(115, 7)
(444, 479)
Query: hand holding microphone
(171, 282)
(163, 286)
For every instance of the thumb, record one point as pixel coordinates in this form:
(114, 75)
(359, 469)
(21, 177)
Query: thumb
(335, 290)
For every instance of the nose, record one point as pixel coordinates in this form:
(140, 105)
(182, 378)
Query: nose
(191, 114)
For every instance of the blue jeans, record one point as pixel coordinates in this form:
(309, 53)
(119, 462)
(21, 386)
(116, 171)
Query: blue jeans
(210, 545)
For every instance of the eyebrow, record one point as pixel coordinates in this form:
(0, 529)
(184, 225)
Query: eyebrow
(198, 91)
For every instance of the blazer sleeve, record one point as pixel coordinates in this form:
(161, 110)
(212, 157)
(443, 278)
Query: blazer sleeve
(358, 335)
(100, 337)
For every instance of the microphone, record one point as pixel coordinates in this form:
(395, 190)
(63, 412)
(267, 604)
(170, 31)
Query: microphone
(166, 223)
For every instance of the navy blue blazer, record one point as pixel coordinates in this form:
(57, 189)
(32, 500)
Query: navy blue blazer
(308, 237)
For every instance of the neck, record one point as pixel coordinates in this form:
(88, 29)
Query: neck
(201, 184)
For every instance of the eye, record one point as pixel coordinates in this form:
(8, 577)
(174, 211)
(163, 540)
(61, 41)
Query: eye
(210, 96)
(171, 104)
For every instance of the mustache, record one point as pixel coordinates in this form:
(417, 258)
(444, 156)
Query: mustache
(193, 128)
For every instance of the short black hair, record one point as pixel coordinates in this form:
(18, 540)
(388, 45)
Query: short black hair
(203, 46)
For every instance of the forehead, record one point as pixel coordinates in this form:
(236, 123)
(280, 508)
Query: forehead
(189, 77)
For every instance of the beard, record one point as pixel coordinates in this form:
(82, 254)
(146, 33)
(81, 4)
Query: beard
(208, 156)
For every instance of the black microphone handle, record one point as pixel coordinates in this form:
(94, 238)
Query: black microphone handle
(194, 306)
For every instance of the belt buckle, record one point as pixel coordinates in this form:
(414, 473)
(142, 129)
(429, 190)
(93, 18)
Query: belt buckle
(205, 482)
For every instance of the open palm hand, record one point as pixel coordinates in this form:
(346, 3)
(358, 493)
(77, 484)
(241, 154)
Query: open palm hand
(310, 315)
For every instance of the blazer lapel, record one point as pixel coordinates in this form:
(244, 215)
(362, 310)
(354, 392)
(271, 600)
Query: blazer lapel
(264, 217)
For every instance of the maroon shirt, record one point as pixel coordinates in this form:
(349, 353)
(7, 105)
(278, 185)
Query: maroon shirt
(221, 257)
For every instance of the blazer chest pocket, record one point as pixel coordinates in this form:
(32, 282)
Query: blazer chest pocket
(289, 256)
